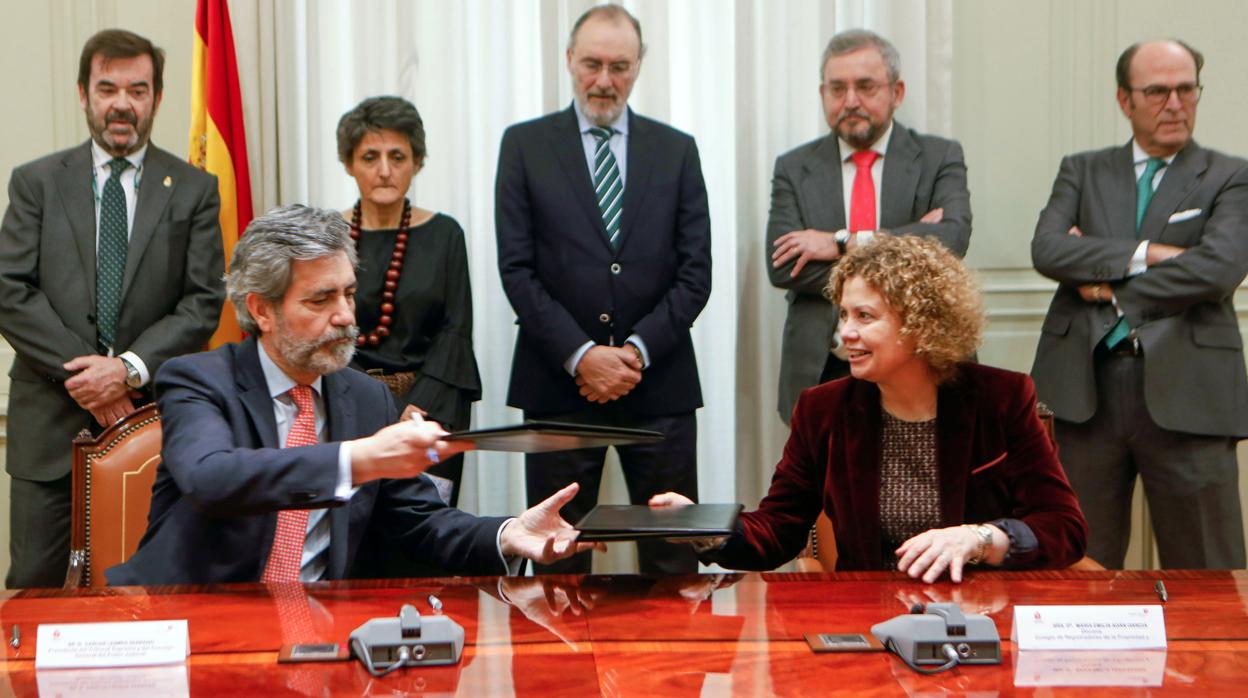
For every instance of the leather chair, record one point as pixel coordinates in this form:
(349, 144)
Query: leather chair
(112, 490)
(820, 552)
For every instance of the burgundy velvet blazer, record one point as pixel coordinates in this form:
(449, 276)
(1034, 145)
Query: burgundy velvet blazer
(994, 456)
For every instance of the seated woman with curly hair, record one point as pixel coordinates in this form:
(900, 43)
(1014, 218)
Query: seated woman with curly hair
(923, 462)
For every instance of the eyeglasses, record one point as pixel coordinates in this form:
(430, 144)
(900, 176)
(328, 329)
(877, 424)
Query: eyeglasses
(864, 88)
(1157, 95)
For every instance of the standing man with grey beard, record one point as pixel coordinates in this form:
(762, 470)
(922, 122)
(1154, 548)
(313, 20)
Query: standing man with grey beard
(605, 253)
(110, 264)
(870, 175)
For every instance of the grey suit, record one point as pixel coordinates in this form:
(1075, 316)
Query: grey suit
(921, 173)
(171, 301)
(1174, 412)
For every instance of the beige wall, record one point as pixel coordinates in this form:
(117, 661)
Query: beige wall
(1033, 81)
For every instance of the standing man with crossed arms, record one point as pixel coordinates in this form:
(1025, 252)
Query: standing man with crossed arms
(604, 251)
(110, 264)
(1140, 355)
(870, 175)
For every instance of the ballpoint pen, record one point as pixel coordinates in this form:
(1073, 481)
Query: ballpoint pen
(16, 641)
(1160, 588)
(435, 603)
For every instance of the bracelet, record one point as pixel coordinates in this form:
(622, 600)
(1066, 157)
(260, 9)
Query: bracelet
(985, 539)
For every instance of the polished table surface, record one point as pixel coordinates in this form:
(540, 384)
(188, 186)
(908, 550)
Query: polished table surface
(699, 635)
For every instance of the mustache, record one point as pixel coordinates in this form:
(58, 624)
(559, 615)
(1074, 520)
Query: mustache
(351, 333)
(128, 117)
(609, 95)
(853, 113)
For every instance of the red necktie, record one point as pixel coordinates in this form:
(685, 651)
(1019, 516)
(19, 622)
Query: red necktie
(862, 202)
(292, 524)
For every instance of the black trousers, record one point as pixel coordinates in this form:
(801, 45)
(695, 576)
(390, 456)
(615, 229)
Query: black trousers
(39, 520)
(1190, 481)
(649, 469)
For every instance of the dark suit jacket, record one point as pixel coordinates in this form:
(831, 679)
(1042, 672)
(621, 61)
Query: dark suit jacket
(1182, 309)
(921, 173)
(224, 476)
(995, 461)
(171, 296)
(568, 285)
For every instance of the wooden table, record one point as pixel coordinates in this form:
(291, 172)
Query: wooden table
(701, 635)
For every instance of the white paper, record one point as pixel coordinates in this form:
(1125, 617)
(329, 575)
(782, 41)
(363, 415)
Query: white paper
(1089, 627)
(126, 682)
(89, 645)
(1089, 668)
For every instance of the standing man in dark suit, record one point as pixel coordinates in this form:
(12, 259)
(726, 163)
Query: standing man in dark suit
(604, 249)
(870, 175)
(110, 264)
(277, 461)
(1140, 354)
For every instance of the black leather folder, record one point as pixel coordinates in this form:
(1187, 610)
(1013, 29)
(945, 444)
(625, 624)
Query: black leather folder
(608, 522)
(540, 437)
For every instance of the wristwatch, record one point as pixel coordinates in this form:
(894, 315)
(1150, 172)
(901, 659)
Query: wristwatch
(637, 350)
(134, 379)
(842, 240)
(985, 540)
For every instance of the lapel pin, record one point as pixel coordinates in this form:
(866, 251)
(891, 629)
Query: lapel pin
(168, 181)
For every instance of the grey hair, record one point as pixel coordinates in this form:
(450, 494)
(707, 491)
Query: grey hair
(856, 39)
(612, 12)
(262, 258)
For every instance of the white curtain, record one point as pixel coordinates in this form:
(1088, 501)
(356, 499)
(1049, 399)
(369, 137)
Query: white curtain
(740, 75)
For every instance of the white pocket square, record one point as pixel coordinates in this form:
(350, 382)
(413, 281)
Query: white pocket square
(1184, 215)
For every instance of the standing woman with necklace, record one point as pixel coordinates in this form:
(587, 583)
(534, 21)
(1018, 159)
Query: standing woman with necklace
(413, 302)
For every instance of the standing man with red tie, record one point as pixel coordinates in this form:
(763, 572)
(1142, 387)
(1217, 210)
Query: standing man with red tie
(870, 175)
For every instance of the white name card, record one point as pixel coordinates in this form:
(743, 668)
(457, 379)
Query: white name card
(1089, 628)
(89, 645)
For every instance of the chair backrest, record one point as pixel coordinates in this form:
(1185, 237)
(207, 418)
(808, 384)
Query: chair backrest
(113, 475)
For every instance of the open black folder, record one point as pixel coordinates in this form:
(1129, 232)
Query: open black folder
(539, 437)
(631, 522)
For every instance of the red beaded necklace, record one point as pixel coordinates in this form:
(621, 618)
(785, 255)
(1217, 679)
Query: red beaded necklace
(391, 283)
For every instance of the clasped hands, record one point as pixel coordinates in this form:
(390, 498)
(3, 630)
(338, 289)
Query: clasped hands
(98, 385)
(608, 373)
(816, 245)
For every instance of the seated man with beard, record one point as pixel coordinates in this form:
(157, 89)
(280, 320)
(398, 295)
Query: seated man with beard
(278, 460)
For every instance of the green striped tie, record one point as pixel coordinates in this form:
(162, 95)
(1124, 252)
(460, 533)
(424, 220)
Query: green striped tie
(608, 186)
(1143, 194)
(111, 256)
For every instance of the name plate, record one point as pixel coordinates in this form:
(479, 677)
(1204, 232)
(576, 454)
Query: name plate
(1089, 628)
(91, 645)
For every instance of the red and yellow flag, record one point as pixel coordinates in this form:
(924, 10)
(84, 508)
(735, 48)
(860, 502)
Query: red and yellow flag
(218, 142)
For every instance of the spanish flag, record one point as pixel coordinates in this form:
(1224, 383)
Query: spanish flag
(218, 143)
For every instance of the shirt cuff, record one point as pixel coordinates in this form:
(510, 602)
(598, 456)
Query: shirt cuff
(636, 339)
(512, 563)
(572, 362)
(1139, 260)
(865, 237)
(1022, 539)
(343, 491)
(134, 360)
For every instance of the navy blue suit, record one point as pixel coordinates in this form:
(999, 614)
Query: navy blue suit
(569, 285)
(224, 477)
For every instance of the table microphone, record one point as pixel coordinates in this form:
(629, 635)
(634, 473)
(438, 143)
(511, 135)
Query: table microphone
(942, 636)
(386, 644)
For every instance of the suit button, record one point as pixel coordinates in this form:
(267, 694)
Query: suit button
(604, 318)
(615, 268)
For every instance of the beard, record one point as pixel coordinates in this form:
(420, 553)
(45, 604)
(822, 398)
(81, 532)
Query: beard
(141, 130)
(865, 134)
(324, 355)
(600, 116)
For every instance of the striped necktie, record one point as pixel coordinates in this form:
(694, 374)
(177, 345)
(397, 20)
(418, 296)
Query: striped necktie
(286, 557)
(1144, 191)
(608, 186)
(111, 255)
